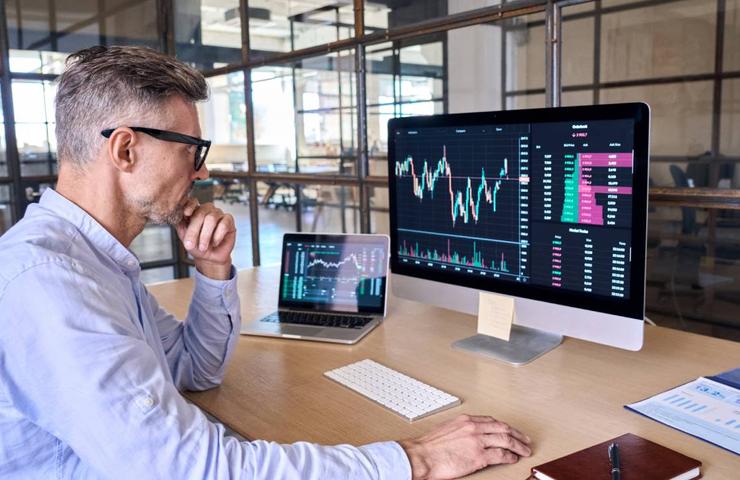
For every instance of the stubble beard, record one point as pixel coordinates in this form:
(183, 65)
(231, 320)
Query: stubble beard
(156, 215)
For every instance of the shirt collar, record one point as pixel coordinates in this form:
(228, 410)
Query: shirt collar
(90, 229)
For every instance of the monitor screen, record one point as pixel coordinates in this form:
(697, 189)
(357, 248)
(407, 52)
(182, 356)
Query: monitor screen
(547, 204)
(343, 273)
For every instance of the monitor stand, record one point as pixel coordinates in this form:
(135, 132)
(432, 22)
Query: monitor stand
(524, 345)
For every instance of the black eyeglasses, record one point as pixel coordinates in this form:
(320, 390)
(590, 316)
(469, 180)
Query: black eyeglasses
(201, 146)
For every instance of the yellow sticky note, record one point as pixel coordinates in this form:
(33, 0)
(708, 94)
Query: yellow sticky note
(495, 315)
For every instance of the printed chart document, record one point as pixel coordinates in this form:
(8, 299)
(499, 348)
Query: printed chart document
(707, 408)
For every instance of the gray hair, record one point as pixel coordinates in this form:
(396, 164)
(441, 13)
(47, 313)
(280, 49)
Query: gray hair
(109, 87)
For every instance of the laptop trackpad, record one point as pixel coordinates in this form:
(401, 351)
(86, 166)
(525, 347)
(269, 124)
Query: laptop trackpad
(300, 330)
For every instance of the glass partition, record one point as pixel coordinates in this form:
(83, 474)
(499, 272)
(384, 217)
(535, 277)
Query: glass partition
(223, 120)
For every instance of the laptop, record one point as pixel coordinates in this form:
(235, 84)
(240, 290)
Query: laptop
(332, 288)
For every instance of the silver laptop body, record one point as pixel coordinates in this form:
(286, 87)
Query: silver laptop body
(333, 288)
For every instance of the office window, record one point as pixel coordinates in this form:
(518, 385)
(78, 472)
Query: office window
(37, 61)
(474, 75)
(330, 208)
(616, 3)
(208, 32)
(154, 275)
(422, 72)
(577, 50)
(130, 23)
(223, 120)
(277, 215)
(30, 192)
(33, 105)
(153, 243)
(391, 15)
(730, 121)
(306, 116)
(379, 216)
(296, 24)
(668, 39)
(274, 119)
(382, 92)
(535, 100)
(577, 97)
(525, 55)
(692, 282)
(403, 78)
(732, 35)
(52, 29)
(6, 205)
(326, 114)
(678, 128)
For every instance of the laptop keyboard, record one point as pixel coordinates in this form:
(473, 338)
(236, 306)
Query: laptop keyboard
(318, 319)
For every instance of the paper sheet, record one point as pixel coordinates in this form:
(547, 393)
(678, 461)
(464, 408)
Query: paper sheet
(495, 315)
(703, 408)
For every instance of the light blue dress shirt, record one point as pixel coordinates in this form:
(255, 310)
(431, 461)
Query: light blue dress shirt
(91, 368)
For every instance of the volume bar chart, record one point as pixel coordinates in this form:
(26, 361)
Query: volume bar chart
(459, 254)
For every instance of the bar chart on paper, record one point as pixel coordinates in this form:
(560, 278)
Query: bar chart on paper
(704, 408)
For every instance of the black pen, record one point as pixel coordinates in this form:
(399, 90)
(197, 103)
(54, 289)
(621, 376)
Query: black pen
(614, 459)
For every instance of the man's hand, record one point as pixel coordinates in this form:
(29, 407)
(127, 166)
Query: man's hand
(208, 234)
(463, 446)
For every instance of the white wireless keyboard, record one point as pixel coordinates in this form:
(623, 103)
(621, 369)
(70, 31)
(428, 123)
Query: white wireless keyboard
(397, 392)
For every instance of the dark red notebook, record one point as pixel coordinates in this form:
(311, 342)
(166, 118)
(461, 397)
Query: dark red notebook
(640, 459)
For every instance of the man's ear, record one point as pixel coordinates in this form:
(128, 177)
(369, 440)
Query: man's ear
(120, 149)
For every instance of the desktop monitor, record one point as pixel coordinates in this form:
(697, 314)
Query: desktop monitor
(547, 206)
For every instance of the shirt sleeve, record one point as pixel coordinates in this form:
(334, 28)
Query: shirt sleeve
(75, 364)
(199, 348)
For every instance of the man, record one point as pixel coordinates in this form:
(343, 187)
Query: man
(91, 366)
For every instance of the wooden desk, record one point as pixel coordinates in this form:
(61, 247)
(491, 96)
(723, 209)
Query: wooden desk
(569, 399)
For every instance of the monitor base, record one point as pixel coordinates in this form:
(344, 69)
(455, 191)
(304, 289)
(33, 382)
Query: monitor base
(524, 345)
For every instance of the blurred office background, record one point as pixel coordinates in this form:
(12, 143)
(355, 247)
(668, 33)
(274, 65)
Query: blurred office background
(301, 91)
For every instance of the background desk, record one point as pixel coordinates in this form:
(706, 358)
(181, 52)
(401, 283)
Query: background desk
(566, 400)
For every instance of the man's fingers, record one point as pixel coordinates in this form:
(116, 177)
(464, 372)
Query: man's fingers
(503, 440)
(488, 424)
(207, 226)
(192, 234)
(495, 456)
(206, 231)
(195, 224)
(190, 206)
(181, 229)
(225, 226)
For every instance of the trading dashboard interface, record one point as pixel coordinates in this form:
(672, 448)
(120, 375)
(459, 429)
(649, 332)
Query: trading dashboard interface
(548, 204)
(334, 272)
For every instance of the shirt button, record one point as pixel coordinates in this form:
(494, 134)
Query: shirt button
(145, 402)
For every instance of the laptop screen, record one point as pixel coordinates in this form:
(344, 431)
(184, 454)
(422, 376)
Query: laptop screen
(338, 273)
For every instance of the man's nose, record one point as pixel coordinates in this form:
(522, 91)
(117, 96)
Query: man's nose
(202, 173)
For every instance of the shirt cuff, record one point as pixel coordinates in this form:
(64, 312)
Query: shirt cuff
(390, 459)
(213, 291)
(212, 298)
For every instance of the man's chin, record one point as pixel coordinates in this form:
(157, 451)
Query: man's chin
(173, 217)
